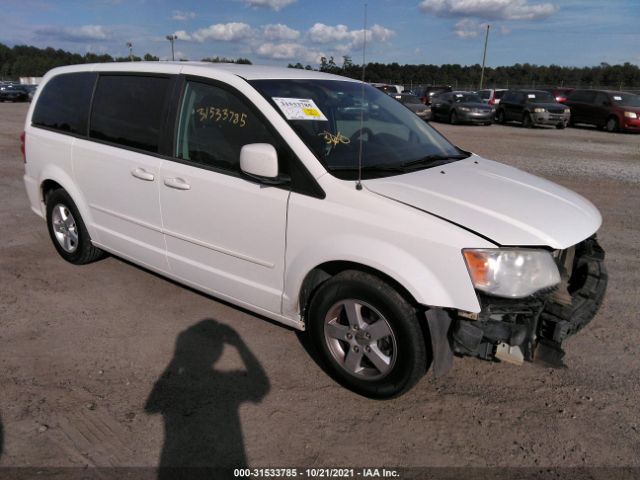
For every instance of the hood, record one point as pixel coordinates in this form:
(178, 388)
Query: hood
(501, 203)
(546, 105)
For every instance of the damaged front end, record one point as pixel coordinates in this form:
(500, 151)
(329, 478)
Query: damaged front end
(531, 328)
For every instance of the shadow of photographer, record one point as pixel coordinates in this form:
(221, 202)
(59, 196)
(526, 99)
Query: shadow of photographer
(200, 405)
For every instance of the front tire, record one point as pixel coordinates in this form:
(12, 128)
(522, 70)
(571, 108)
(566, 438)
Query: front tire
(67, 230)
(527, 122)
(367, 334)
(500, 117)
(612, 125)
(453, 118)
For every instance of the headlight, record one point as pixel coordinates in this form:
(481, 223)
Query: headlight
(566, 110)
(511, 272)
(464, 109)
(539, 110)
(631, 114)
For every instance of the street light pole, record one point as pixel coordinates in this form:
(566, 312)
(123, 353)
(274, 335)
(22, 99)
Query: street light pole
(130, 45)
(172, 38)
(484, 56)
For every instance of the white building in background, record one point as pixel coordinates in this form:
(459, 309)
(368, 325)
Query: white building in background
(30, 80)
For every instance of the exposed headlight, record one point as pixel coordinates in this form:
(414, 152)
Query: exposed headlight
(511, 272)
(539, 110)
(464, 109)
(631, 114)
(566, 110)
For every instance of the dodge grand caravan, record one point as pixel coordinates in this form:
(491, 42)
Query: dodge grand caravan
(393, 248)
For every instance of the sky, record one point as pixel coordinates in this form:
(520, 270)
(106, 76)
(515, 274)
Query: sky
(278, 32)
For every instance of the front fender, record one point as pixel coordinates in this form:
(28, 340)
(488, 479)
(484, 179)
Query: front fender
(426, 287)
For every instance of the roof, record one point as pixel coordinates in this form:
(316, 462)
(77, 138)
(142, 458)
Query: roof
(248, 72)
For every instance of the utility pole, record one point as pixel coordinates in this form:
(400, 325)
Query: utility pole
(172, 38)
(130, 45)
(484, 56)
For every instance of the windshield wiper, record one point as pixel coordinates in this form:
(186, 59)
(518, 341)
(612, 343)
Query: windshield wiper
(431, 161)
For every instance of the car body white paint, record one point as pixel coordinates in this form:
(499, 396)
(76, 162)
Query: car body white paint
(410, 227)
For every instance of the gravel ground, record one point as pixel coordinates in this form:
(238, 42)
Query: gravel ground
(86, 354)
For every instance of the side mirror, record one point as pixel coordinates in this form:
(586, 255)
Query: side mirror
(259, 160)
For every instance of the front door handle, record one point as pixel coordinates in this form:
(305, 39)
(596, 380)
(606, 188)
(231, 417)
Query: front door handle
(142, 174)
(177, 183)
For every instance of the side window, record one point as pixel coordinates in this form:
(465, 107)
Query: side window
(485, 94)
(64, 103)
(214, 125)
(602, 99)
(128, 110)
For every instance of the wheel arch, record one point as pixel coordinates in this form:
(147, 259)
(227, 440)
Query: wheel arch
(53, 178)
(323, 272)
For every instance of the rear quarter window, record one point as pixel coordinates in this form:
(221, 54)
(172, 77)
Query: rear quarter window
(63, 104)
(129, 110)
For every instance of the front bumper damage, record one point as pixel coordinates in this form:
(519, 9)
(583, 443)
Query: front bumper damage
(528, 329)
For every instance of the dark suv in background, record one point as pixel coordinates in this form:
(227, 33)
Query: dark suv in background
(605, 109)
(13, 93)
(429, 92)
(532, 107)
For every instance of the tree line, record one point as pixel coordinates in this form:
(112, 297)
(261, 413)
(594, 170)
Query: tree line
(467, 76)
(28, 61)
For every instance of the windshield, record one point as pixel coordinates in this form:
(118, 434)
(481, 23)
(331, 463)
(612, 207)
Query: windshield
(466, 98)
(540, 97)
(626, 99)
(326, 114)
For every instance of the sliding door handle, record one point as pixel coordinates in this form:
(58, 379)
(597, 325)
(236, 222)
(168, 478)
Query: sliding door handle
(177, 183)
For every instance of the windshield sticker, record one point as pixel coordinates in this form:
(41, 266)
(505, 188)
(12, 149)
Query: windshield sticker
(531, 95)
(334, 140)
(299, 109)
(617, 98)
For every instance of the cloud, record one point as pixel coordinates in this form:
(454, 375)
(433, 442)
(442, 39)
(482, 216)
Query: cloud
(83, 33)
(279, 32)
(223, 32)
(272, 4)
(182, 16)
(488, 9)
(288, 51)
(321, 33)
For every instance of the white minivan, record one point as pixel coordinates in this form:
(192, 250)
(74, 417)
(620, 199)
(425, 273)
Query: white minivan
(316, 201)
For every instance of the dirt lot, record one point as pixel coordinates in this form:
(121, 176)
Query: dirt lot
(83, 351)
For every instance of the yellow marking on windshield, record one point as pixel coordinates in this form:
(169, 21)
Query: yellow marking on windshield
(334, 140)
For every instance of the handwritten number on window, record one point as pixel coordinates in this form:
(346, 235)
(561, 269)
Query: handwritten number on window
(218, 115)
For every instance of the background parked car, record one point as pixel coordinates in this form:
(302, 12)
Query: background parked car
(491, 96)
(388, 88)
(560, 93)
(605, 109)
(461, 107)
(413, 103)
(429, 92)
(532, 107)
(13, 93)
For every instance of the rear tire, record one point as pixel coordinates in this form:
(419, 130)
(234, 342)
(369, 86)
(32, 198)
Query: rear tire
(67, 230)
(367, 334)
